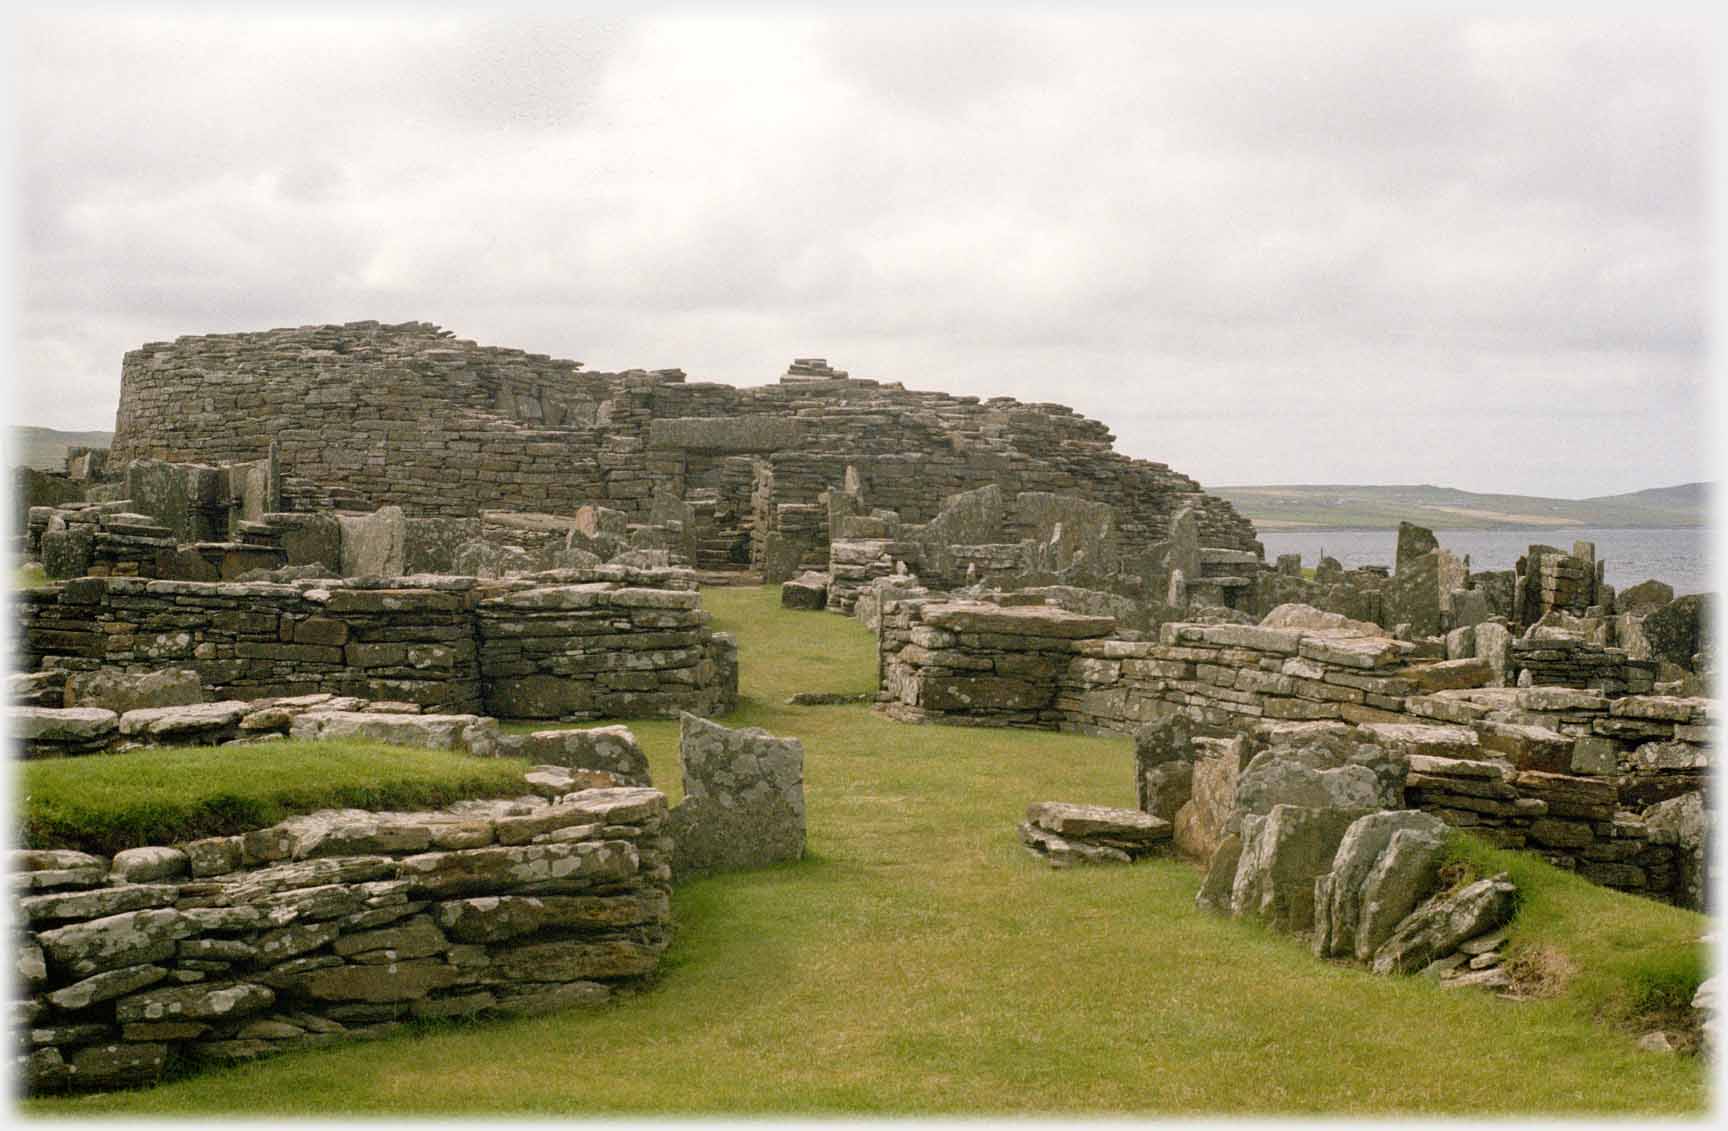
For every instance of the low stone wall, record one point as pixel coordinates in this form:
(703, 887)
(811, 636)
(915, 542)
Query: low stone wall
(49, 732)
(1041, 666)
(607, 641)
(336, 926)
(594, 650)
(1558, 661)
(1567, 772)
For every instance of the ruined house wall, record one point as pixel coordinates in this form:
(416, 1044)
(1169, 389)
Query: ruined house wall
(333, 927)
(608, 642)
(1581, 758)
(411, 415)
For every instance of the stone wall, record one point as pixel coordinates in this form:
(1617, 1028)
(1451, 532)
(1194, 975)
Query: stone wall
(1562, 771)
(410, 415)
(595, 643)
(336, 926)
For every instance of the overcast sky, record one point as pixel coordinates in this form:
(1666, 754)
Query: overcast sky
(1263, 250)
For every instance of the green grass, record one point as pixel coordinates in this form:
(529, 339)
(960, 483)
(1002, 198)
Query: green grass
(919, 962)
(1631, 956)
(107, 802)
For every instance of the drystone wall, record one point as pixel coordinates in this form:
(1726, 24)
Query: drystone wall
(410, 415)
(340, 925)
(1566, 772)
(604, 642)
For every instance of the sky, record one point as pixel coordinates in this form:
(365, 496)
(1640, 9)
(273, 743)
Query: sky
(1262, 249)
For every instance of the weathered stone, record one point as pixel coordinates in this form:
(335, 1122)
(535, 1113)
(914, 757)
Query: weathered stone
(1063, 852)
(1417, 739)
(1436, 928)
(554, 998)
(1683, 822)
(143, 865)
(1200, 823)
(1359, 851)
(1679, 630)
(611, 748)
(1447, 675)
(484, 870)
(574, 960)
(1042, 621)
(94, 903)
(195, 1003)
(743, 798)
(1167, 787)
(379, 982)
(1283, 854)
(109, 984)
(1413, 542)
(131, 938)
(1644, 598)
(1406, 873)
(1085, 821)
(430, 732)
(1493, 643)
(1274, 778)
(121, 692)
(183, 723)
(1300, 616)
(418, 937)
(806, 591)
(74, 725)
(119, 1065)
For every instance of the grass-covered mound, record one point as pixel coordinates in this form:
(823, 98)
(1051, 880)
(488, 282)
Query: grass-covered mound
(106, 802)
(919, 961)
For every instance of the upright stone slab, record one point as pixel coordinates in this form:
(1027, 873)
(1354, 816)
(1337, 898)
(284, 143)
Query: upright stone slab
(743, 799)
(1413, 542)
(373, 545)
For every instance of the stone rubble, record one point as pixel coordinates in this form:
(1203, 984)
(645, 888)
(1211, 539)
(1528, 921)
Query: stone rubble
(1063, 834)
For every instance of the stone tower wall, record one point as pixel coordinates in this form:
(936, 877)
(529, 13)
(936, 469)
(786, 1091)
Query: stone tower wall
(410, 415)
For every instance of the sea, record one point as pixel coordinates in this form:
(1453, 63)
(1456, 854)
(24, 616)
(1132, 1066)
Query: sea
(1682, 557)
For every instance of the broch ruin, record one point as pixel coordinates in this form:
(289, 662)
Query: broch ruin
(389, 532)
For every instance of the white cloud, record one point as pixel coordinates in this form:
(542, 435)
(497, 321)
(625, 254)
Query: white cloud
(1261, 249)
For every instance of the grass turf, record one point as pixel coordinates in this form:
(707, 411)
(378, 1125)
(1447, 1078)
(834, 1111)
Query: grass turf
(107, 802)
(919, 962)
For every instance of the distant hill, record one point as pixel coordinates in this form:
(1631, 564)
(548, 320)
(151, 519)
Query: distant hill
(45, 448)
(1355, 507)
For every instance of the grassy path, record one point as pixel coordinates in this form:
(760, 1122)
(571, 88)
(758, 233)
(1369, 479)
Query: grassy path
(919, 962)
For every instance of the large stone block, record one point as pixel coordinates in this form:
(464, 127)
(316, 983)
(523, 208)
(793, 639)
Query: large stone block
(612, 749)
(1360, 879)
(1283, 853)
(374, 545)
(743, 798)
(121, 691)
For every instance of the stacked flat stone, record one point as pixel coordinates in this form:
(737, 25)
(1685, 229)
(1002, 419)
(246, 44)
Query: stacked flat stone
(593, 649)
(100, 540)
(1574, 822)
(1567, 661)
(1087, 679)
(1653, 747)
(980, 663)
(1063, 834)
(45, 732)
(854, 564)
(564, 643)
(408, 414)
(341, 925)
